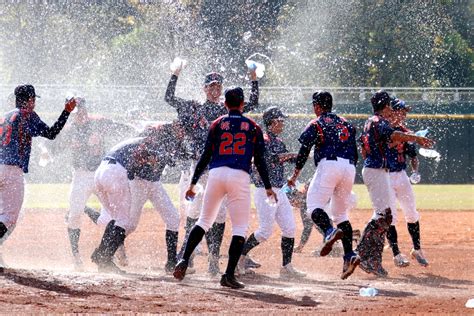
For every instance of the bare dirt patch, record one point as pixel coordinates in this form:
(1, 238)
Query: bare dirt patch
(41, 279)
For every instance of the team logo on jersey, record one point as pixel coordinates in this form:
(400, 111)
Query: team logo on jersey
(328, 120)
(244, 126)
(225, 125)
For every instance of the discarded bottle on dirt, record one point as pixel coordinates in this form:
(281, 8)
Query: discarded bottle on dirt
(422, 132)
(470, 303)
(368, 291)
(415, 178)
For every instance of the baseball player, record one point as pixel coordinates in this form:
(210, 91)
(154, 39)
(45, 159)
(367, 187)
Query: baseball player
(196, 117)
(232, 141)
(374, 140)
(126, 178)
(335, 157)
(87, 136)
(17, 128)
(401, 185)
(276, 155)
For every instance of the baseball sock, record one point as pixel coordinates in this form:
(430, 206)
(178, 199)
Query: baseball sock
(214, 238)
(414, 230)
(74, 235)
(346, 239)
(195, 237)
(287, 245)
(171, 244)
(190, 222)
(251, 243)
(113, 237)
(307, 227)
(93, 214)
(321, 218)
(3, 229)
(235, 250)
(392, 237)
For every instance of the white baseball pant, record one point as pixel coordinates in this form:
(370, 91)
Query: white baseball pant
(282, 214)
(12, 193)
(82, 187)
(333, 180)
(143, 190)
(379, 187)
(400, 183)
(113, 190)
(194, 209)
(235, 184)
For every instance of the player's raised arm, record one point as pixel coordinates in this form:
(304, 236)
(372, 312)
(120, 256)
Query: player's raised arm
(170, 97)
(254, 92)
(39, 128)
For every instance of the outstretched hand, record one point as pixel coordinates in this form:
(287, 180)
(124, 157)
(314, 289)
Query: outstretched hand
(70, 105)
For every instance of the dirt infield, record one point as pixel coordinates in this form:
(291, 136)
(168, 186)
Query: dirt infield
(40, 277)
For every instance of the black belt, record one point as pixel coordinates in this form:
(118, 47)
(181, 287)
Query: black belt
(111, 160)
(351, 161)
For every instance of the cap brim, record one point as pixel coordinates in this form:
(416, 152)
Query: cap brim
(37, 96)
(211, 82)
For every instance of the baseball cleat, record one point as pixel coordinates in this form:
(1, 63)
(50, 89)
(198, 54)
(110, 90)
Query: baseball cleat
(251, 264)
(169, 267)
(334, 235)
(378, 270)
(401, 261)
(180, 269)
(231, 281)
(289, 272)
(109, 267)
(420, 257)
(350, 264)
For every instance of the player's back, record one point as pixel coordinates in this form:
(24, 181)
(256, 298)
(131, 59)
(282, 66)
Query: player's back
(337, 137)
(234, 138)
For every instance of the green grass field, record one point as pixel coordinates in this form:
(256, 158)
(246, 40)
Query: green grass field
(439, 197)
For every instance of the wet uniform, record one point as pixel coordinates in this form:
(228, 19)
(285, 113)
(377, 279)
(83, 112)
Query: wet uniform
(374, 141)
(232, 141)
(196, 118)
(335, 155)
(17, 128)
(399, 180)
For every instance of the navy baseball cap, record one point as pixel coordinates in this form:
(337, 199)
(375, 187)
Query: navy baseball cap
(272, 113)
(24, 92)
(399, 105)
(213, 77)
(380, 99)
(234, 95)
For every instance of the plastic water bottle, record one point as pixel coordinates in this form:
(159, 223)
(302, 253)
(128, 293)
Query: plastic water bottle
(251, 65)
(470, 303)
(422, 132)
(177, 63)
(368, 291)
(271, 201)
(415, 178)
(197, 190)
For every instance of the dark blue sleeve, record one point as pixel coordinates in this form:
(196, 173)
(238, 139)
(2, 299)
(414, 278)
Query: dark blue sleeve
(39, 128)
(385, 130)
(309, 137)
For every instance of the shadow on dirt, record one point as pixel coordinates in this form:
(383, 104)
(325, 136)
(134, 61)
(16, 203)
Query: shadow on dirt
(432, 280)
(22, 278)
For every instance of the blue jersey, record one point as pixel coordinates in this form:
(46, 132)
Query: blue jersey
(332, 137)
(374, 140)
(274, 146)
(232, 141)
(397, 153)
(17, 128)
